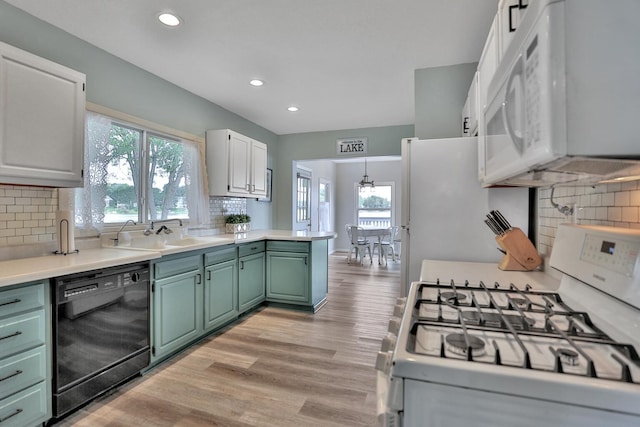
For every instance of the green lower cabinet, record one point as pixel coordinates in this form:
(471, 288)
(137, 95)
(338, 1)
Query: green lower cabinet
(297, 273)
(288, 277)
(251, 283)
(220, 294)
(177, 313)
(25, 355)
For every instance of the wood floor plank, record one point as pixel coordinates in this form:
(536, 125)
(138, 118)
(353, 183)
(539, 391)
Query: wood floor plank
(275, 367)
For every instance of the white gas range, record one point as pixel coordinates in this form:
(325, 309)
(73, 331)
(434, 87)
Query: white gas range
(483, 347)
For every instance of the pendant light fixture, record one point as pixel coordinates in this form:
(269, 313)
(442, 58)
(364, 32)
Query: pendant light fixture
(364, 182)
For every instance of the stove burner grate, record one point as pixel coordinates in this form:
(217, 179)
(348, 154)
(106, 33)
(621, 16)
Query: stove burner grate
(452, 296)
(568, 356)
(458, 344)
(495, 319)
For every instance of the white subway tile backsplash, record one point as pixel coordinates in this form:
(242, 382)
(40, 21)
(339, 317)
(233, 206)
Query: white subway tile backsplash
(622, 198)
(613, 205)
(630, 214)
(614, 214)
(609, 199)
(27, 214)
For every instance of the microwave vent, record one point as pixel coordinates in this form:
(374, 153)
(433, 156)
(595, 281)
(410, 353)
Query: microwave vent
(602, 167)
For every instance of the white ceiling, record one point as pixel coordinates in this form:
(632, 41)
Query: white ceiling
(345, 63)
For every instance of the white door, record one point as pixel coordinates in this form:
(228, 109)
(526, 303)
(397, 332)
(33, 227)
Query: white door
(302, 200)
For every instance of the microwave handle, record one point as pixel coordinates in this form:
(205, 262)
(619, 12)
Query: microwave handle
(518, 70)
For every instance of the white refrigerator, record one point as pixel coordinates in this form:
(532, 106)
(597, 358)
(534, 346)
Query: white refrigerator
(444, 206)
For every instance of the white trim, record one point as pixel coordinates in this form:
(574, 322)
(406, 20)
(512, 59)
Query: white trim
(115, 114)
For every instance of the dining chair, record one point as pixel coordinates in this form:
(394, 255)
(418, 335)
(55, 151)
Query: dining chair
(347, 228)
(359, 243)
(386, 245)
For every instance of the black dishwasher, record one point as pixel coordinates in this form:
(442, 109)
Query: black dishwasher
(100, 332)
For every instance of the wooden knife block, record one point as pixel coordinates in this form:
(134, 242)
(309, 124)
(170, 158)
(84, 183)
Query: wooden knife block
(521, 254)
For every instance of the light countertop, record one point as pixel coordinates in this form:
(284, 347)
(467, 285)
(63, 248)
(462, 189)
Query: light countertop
(37, 268)
(488, 273)
(26, 270)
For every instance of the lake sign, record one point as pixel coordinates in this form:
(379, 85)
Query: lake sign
(348, 146)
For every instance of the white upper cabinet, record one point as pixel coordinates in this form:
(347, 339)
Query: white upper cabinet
(470, 110)
(510, 14)
(236, 164)
(259, 169)
(42, 106)
(487, 67)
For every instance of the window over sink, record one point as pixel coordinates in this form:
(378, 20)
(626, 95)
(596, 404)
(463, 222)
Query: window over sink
(136, 173)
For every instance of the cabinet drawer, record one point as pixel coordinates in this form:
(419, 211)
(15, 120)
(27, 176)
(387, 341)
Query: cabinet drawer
(176, 266)
(21, 299)
(21, 333)
(250, 248)
(21, 371)
(29, 407)
(287, 246)
(220, 255)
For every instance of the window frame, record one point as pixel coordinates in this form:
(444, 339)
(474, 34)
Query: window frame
(307, 210)
(391, 209)
(147, 129)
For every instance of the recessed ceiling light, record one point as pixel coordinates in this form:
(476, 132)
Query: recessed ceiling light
(293, 109)
(256, 82)
(169, 19)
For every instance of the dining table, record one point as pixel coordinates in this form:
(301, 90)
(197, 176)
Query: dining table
(375, 232)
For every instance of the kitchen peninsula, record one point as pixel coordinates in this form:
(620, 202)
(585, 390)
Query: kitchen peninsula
(197, 285)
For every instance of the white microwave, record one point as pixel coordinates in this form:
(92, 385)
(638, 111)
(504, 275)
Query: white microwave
(564, 104)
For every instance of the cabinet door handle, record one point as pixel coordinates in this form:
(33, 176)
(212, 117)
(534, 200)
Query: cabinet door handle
(465, 126)
(10, 415)
(241, 265)
(511, 9)
(15, 301)
(209, 275)
(16, 373)
(11, 336)
(254, 188)
(199, 278)
(305, 261)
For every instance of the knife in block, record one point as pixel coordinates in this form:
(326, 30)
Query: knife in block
(521, 254)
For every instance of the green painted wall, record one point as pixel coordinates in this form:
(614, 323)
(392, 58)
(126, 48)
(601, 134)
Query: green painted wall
(117, 84)
(382, 141)
(440, 94)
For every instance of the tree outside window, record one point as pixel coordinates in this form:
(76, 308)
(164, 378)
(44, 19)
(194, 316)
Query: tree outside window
(375, 206)
(133, 174)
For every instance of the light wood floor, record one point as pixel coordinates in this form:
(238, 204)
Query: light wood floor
(273, 368)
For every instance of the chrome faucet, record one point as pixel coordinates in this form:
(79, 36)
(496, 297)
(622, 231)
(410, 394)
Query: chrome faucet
(164, 228)
(117, 239)
(149, 230)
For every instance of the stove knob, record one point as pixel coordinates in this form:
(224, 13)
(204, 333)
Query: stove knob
(389, 342)
(383, 361)
(394, 325)
(398, 310)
